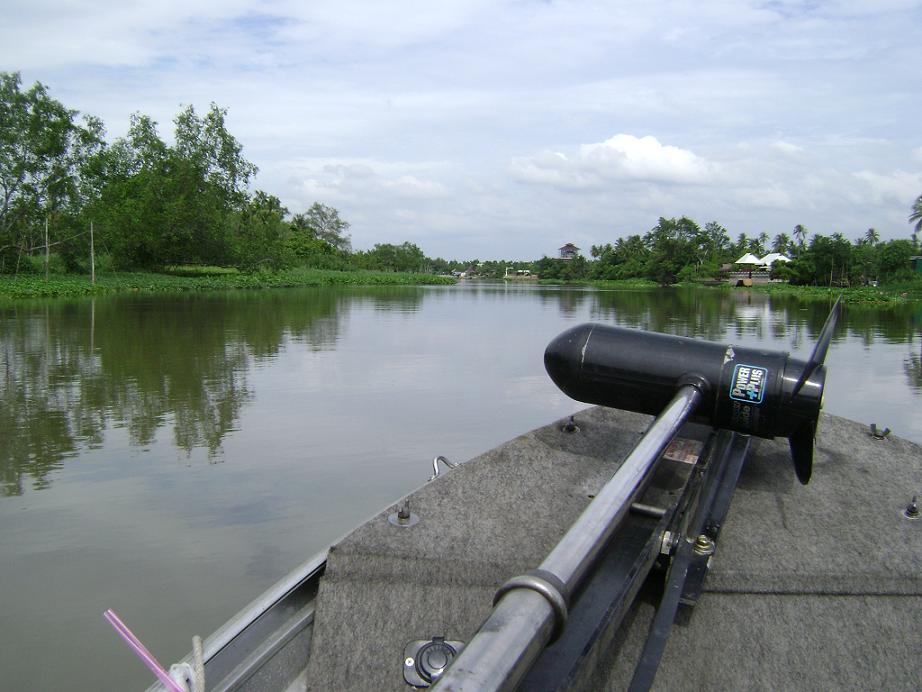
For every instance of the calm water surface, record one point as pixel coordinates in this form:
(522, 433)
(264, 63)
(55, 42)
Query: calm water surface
(172, 456)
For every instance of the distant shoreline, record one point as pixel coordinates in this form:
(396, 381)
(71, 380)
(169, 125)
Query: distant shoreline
(193, 279)
(880, 295)
(25, 286)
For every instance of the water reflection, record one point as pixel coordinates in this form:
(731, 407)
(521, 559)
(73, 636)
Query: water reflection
(913, 367)
(727, 315)
(71, 370)
(180, 363)
(326, 404)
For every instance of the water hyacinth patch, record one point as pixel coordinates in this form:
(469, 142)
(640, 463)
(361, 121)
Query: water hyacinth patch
(202, 279)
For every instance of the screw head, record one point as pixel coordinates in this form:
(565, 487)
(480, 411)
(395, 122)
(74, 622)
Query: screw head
(704, 545)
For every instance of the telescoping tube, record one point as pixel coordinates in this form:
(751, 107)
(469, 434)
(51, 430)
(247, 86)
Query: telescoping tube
(531, 609)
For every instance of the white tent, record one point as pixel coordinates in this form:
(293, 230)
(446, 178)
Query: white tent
(749, 258)
(774, 257)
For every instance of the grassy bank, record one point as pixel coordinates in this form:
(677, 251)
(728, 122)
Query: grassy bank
(620, 284)
(891, 293)
(200, 279)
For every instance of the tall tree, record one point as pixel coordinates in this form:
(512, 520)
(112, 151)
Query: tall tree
(800, 235)
(673, 246)
(188, 203)
(742, 244)
(871, 236)
(718, 239)
(781, 243)
(208, 145)
(325, 224)
(43, 151)
(260, 232)
(916, 215)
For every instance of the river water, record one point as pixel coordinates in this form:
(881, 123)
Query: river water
(171, 456)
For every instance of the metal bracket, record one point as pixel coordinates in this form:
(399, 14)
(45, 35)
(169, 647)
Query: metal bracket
(689, 566)
(435, 466)
(877, 433)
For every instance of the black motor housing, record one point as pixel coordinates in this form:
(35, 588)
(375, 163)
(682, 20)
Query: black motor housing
(753, 391)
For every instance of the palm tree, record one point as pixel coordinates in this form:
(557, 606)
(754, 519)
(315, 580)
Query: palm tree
(800, 234)
(742, 243)
(757, 244)
(916, 215)
(871, 236)
(780, 243)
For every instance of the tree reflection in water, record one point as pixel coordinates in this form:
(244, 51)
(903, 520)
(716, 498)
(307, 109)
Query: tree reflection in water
(73, 370)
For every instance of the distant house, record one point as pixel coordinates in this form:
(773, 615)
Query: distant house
(569, 251)
(773, 257)
(512, 273)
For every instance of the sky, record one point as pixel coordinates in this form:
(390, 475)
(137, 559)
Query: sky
(505, 129)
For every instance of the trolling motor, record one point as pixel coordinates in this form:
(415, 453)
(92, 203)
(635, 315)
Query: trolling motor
(747, 390)
(734, 389)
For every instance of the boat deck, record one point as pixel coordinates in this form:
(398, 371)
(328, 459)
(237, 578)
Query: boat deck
(816, 586)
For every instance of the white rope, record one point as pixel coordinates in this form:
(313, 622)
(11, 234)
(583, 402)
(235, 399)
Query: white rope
(198, 663)
(191, 677)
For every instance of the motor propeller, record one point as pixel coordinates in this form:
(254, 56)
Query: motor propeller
(748, 390)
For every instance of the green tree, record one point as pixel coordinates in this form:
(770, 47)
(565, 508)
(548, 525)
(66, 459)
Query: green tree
(718, 240)
(325, 224)
(832, 257)
(218, 157)
(406, 257)
(894, 260)
(781, 243)
(916, 215)
(43, 155)
(259, 234)
(741, 247)
(800, 235)
(182, 204)
(673, 245)
(625, 259)
(871, 236)
(866, 260)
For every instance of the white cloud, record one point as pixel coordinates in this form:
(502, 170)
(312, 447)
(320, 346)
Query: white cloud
(419, 119)
(644, 158)
(787, 147)
(622, 157)
(552, 168)
(898, 186)
(412, 187)
(767, 197)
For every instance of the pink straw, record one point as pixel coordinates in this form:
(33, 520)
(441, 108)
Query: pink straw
(141, 651)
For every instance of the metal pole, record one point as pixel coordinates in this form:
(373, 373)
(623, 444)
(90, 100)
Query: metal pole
(47, 248)
(529, 613)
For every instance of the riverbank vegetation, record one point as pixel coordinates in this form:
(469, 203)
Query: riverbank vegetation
(201, 279)
(72, 204)
(888, 293)
(679, 250)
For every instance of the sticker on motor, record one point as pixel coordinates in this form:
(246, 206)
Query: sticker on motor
(748, 384)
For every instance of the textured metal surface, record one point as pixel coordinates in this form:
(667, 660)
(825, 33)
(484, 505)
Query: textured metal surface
(504, 648)
(813, 587)
(268, 638)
